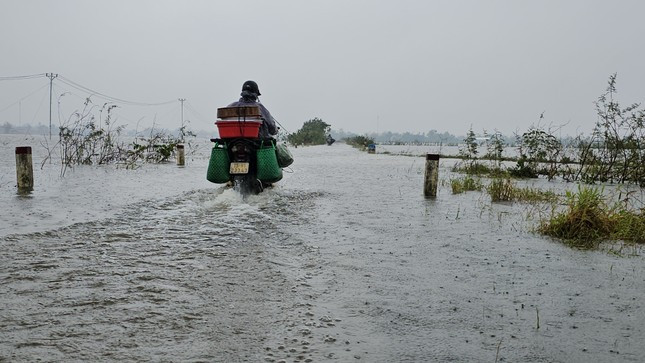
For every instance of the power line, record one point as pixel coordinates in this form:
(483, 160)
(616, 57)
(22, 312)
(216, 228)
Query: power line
(190, 107)
(24, 97)
(67, 90)
(18, 78)
(80, 87)
(170, 113)
(61, 80)
(38, 109)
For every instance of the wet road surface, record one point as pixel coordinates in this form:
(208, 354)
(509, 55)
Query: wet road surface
(343, 261)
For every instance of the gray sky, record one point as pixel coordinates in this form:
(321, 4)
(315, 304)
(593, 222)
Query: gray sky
(362, 66)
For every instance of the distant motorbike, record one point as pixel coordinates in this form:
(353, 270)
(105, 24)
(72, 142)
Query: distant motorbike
(330, 140)
(239, 157)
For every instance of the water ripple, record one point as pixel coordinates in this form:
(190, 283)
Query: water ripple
(138, 285)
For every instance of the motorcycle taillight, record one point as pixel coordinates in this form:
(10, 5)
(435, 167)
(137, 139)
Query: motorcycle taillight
(240, 152)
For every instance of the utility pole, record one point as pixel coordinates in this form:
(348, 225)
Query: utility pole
(182, 110)
(51, 77)
(181, 130)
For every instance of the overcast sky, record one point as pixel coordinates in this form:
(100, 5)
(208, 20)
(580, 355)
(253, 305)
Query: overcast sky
(362, 66)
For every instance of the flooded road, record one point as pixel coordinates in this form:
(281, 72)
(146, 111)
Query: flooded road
(344, 260)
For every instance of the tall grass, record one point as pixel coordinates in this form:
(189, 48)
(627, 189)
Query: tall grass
(466, 183)
(503, 190)
(629, 226)
(479, 169)
(535, 195)
(585, 221)
(588, 220)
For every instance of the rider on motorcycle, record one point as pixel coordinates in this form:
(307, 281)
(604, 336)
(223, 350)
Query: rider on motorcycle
(250, 93)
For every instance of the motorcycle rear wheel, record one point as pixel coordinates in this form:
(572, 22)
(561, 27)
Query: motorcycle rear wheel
(247, 184)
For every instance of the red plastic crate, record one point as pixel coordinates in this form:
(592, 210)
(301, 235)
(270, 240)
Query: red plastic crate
(231, 129)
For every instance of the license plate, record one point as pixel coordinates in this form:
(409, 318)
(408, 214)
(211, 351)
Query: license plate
(239, 168)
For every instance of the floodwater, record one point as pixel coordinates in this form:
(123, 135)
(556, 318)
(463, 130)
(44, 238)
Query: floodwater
(344, 260)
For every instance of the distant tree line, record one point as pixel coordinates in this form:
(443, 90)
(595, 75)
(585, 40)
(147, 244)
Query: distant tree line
(408, 138)
(431, 137)
(26, 129)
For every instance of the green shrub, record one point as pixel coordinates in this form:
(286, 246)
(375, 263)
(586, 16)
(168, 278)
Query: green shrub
(523, 169)
(313, 132)
(360, 142)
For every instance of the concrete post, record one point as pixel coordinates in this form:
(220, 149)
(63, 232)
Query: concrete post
(24, 169)
(431, 175)
(181, 159)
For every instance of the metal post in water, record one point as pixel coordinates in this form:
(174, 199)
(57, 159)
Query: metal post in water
(181, 159)
(431, 176)
(24, 169)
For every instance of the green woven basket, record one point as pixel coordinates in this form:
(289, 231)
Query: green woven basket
(218, 166)
(284, 155)
(268, 169)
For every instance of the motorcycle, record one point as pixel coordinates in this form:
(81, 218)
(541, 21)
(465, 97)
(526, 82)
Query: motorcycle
(239, 157)
(330, 140)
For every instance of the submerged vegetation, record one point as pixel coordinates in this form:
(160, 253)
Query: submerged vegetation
(481, 169)
(464, 184)
(588, 220)
(614, 153)
(500, 190)
(84, 140)
(504, 190)
(158, 147)
(360, 142)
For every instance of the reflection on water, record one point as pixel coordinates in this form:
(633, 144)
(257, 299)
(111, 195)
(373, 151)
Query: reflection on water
(343, 260)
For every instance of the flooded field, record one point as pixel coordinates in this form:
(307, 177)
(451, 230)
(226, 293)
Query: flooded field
(344, 260)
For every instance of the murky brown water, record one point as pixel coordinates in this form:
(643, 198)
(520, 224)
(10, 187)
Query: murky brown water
(343, 261)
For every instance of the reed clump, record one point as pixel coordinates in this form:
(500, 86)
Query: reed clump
(528, 194)
(503, 190)
(479, 169)
(464, 184)
(585, 222)
(589, 219)
(629, 225)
